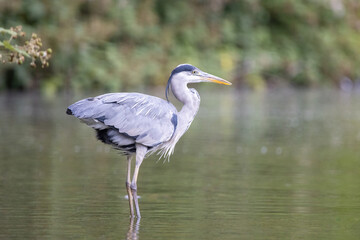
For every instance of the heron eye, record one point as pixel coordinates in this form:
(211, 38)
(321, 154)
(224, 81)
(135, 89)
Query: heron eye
(194, 72)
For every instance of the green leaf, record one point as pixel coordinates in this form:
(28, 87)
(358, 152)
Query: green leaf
(7, 31)
(7, 45)
(10, 47)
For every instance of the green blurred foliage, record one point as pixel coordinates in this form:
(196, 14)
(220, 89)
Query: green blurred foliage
(119, 44)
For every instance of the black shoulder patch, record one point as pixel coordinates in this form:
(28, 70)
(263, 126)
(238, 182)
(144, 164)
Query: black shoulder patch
(174, 121)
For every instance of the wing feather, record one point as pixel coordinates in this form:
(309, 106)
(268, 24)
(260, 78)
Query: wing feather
(147, 119)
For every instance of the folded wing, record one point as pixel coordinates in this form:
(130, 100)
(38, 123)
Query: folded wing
(128, 118)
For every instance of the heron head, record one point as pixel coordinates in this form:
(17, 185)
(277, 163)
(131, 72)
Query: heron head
(189, 74)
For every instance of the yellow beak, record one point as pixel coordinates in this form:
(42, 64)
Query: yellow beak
(211, 78)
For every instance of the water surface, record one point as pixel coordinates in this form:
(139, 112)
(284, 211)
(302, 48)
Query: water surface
(281, 164)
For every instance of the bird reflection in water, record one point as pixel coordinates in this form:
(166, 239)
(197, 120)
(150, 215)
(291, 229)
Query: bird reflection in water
(134, 227)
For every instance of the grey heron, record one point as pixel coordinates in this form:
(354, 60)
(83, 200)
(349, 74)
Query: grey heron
(139, 124)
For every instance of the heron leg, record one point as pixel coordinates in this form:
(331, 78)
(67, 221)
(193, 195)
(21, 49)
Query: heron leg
(140, 154)
(128, 189)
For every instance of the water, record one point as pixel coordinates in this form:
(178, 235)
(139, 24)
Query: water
(282, 164)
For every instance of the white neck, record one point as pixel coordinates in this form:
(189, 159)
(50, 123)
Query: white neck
(189, 97)
(191, 100)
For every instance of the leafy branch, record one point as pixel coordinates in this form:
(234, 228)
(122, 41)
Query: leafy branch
(17, 53)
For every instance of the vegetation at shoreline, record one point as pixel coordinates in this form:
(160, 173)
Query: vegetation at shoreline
(114, 45)
(14, 53)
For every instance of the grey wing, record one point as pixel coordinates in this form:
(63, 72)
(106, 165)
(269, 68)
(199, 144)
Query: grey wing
(138, 118)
